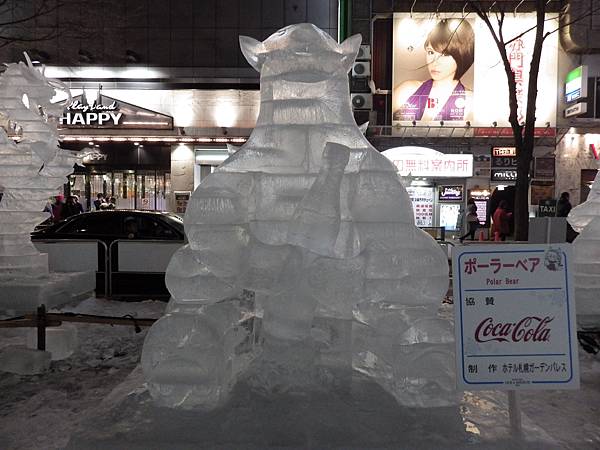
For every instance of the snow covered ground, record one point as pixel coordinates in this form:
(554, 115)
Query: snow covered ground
(98, 392)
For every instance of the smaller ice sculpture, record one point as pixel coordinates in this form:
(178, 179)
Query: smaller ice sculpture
(31, 171)
(585, 219)
(315, 221)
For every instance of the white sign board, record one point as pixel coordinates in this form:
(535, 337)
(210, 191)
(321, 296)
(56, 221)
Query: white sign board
(426, 162)
(515, 317)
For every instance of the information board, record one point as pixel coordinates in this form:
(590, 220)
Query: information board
(181, 201)
(515, 317)
(422, 202)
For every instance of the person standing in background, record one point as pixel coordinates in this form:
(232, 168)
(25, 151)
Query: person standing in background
(563, 206)
(501, 220)
(472, 222)
(58, 208)
(79, 206)
(99, 201)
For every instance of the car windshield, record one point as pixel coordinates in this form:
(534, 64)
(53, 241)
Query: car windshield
(175, 221)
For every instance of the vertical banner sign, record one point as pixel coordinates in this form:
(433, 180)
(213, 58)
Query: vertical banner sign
(515, 317)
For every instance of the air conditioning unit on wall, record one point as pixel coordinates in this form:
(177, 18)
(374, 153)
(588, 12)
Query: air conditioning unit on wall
(362, 101)
(364, 53)
(361, 69)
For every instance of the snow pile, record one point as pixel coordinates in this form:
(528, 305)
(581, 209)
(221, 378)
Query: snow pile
(97, 399)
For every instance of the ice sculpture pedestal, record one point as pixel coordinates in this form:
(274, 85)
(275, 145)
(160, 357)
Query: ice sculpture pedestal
(24, 294)
(367, 418)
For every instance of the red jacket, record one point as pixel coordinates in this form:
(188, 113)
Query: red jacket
(501, 221)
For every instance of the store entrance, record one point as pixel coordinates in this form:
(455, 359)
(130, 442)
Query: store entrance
(131, 189)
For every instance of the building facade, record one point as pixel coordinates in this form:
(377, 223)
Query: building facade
(187, 97)
(173, 71)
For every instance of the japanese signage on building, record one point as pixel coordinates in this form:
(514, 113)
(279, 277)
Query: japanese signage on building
(426, 162)
(181, 201)
(515, 317)
(430, 50)
(422, 202)
(451, 193)
(481, 198)
(504, 164)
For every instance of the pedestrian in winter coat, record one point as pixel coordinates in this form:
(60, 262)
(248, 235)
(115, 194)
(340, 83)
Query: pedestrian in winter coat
(563, 206)
(472, 223)
(501, 220)
(99, 201)
(58, 208)
(72, 207)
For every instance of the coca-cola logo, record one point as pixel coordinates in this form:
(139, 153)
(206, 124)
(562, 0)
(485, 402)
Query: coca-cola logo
(528, 329)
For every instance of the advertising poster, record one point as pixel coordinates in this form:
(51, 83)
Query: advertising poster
(544, 168)
(449, 216)
(433, 70)
(540, 192)
(181, 200)
(422, 202)
(515, 317)
(447, 69)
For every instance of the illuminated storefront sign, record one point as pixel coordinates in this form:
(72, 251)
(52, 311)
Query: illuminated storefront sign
(503, 175)
(451, 193)
(576, 84)
(504, 163)
(424, 61)
(426, 162)
(78, 113)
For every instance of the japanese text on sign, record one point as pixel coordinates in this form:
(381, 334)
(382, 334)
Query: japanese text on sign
(515, 318)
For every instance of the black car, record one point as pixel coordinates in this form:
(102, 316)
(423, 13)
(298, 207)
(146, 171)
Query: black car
(112, 225)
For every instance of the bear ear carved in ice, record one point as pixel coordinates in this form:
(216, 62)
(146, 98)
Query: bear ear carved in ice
(315, 221)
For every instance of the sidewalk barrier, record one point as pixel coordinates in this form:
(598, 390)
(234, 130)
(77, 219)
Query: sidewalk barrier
(123, 258)
(75, 255)
(125, 262)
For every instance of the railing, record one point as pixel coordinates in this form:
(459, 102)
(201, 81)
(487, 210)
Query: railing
(77, 257)
(142, 258)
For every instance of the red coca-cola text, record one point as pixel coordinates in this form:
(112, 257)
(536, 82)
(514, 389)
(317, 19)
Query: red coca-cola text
(530, 328)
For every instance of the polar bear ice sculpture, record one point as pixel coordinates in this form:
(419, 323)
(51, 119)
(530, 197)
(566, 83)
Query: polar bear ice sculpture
(309, 216)
(585, 219)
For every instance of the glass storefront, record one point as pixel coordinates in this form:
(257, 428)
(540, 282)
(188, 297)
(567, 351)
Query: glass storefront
(141, 189)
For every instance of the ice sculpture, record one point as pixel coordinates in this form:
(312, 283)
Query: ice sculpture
(585, 219)
(31, 171)
(309, 217)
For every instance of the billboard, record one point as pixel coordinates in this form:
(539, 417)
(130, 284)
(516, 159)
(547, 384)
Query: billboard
(447, 69)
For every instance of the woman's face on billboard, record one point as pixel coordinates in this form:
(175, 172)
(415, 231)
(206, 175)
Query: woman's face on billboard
(441, 67)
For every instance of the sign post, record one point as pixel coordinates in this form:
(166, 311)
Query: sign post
(515, 320)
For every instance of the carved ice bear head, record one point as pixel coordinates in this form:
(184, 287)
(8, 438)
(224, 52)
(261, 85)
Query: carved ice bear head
(301, 52)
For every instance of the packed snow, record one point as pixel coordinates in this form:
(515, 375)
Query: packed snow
(98, 396)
